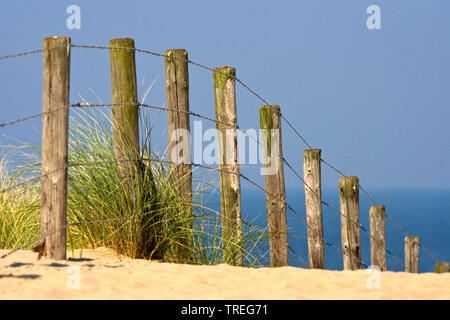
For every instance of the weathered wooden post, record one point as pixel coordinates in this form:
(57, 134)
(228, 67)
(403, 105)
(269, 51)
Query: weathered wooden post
(270, 123)
(351, 244)
(178, 129)
(412, 249)
(230, 186)
(55, 96)
(313, 202)
(125, 113)
(442, 267)
(125, 122)
(378, 236)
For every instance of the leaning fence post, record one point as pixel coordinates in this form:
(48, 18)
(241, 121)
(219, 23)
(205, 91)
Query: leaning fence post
(270, 123)
(378, 236)
(351, 244)
(55, 94)
(178, 130)
(313, 203)
(230, 186)
(412, 246)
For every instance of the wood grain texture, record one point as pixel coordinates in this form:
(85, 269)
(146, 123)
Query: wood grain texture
(412, 249)
(350, 234)
(270, 122)
(55, 95)
(377, 216)
(230, 185)
(313, 203)
(125, 118)
(177, 98)
(176, 73)
(125, 125)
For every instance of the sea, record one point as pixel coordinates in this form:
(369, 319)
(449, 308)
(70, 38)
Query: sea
(423, 213)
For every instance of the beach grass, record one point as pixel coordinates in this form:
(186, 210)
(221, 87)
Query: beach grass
(152, 222)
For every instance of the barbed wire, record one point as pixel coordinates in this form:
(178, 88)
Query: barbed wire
(297, 133)
(21, 54)
(299, 258)
(89, 105)
(358, 224)
(388, 217)
(34, 116)
(67, 225)
(100, 162)
(31, 52)
(207, 118)
(203, 117)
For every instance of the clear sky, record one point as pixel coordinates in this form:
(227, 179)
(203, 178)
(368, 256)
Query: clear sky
(377, 102)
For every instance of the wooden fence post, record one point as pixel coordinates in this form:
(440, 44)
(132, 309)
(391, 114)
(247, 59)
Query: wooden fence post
(55, 94)
(442, 267)
(313, 203)
(351, 243)
(125, 122)
(125, 118)
(178, 129)
(378, 236)
(270, 123)
(230, 186)
(412, 248)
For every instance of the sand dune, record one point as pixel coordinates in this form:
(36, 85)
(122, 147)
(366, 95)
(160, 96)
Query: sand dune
(101, 274)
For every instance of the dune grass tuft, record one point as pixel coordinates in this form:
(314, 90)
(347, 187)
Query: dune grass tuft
(152, 222)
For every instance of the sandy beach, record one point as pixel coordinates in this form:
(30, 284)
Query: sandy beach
(101, 274)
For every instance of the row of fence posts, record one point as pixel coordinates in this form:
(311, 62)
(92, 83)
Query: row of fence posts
(126, 143)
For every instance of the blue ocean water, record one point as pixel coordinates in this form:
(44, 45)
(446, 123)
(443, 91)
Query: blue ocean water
(425, 213)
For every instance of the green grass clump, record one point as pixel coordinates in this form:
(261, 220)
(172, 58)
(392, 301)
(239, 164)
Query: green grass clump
(143, 218)
(19, 207)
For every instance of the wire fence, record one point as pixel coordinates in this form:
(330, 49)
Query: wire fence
(290, 125)
(103, 162)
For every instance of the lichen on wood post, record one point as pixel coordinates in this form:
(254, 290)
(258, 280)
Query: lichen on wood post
(442, 267)
(230, 186)
(350, 234)
(313, 204)
(176, 73)
(125, 123)
(178, 127)
(55, 97)
(125, 110)
(378, 236)
(412, 249)
(270, 124)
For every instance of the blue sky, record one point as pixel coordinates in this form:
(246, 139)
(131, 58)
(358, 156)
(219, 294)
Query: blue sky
(375, 101)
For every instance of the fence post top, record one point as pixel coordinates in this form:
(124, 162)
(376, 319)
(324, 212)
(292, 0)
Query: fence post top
(348, 186)
(56, 37)
(176, 52)
(58, 40)
(224, 71)
(412, 239)
(270, 107)
(348, 179)
(378, 208)
(377, 211)
(312, 154)
(125, 42)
